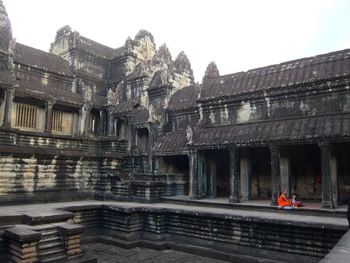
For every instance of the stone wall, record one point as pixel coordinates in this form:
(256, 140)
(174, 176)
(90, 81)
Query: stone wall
(326, 100)
(207, 232)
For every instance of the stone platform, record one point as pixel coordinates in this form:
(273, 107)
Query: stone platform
(244, 234)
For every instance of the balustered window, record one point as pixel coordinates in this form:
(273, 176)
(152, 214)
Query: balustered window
(57, 121)
(26, 116)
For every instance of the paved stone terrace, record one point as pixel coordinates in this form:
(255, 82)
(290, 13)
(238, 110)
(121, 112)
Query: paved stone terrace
(281, 217)
(112, 254)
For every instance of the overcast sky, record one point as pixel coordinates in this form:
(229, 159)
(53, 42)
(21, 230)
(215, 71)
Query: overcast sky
(237, 35)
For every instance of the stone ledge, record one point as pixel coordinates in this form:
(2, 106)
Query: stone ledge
(22, 234)
(36, 218)
(71, 229)
(341, 251)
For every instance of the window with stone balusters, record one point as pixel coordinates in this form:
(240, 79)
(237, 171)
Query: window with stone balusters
(57, 121)
(26, 116)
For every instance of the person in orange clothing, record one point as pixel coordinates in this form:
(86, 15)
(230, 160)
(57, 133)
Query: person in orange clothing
(283, 200)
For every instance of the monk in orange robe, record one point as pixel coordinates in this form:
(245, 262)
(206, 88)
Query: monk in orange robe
(283, 200)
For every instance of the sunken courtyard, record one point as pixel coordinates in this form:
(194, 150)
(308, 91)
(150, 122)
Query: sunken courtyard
(117, 155)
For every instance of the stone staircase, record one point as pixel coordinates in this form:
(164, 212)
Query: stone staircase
(50, 247)
(43, 238)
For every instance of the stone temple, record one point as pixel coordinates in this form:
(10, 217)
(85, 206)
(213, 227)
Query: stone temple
(124, 148)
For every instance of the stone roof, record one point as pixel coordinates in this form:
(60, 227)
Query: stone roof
(47, 89)
(42, 60)
(287, 74)
(141, 115)
(93, 47)
(171, 144)
(184, 98)
(307, 128)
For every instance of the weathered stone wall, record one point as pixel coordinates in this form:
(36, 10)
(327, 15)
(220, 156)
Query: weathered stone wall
(38, 168)
(85, 56)
(228, 234)
(324, 101)
(26, 177)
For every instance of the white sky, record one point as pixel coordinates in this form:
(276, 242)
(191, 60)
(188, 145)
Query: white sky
(237, 34)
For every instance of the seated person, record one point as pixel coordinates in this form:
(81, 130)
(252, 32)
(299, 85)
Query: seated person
(283, 200)
(295, 203)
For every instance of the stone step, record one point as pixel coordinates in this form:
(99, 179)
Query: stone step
(51, 253)
(49, 239)
(84, 259)
(50, 245)
(56, 259)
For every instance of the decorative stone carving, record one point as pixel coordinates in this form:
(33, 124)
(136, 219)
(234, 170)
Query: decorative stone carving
(189, 134)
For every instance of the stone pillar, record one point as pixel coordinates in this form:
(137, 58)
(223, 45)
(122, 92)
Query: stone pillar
(275, 173)
(235, 185)
(87, 120)
(193, 188)
(84, 113)
(71, 234)
(212, 178)
(109, 123)
(10, 94)
(22, 244)
(48, 124)
(156, 165)
(285, 172)
(149, 147)
(100, 123)
(246, 178)
(329, 176)
(202, 177)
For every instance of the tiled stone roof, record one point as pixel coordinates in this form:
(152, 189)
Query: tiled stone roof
(307, 128)
(171, 143)
(42, 60)
(301, 71)
(184, 98)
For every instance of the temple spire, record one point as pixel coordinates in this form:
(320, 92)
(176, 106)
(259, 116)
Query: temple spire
(212, 71)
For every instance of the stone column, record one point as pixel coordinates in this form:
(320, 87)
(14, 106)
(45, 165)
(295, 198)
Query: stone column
(285, 172)
(87, 120)
(10, 94)
(151, 131)
(329, 176)
(22, 244)
(109, 123)
(235, 185)
(246, 178)
(275, 173)
(202, 176)
(156, 165)
(84, 113)
(48, 124)
(100, 123)
(212, 180)
(193, 188)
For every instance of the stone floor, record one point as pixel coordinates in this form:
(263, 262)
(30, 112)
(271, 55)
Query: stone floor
(112, 254)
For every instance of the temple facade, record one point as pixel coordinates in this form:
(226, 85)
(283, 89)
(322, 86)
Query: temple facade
(86, 121)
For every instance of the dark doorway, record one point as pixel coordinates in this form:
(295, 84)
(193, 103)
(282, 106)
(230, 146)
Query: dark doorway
(306, 175)
(261, 173)
(343, 169)
(177, 170)
(214, 173)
